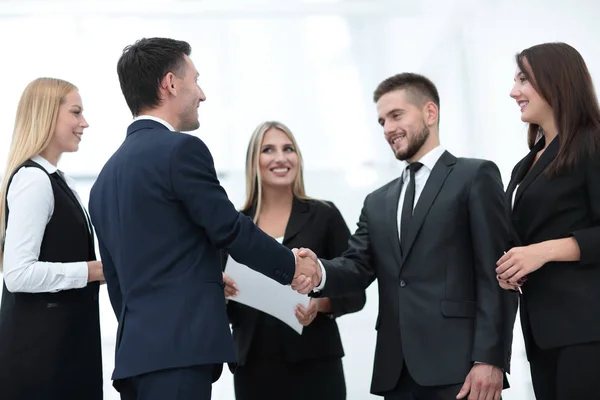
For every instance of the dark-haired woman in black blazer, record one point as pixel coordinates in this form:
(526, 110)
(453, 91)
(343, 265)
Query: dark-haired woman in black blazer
(553, 207)
(274, 361)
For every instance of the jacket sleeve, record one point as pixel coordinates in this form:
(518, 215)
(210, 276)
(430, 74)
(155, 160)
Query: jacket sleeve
(337, 242)
(588, 239)
(352, 271)
(195, 185)
(112, 279)
(489, 235)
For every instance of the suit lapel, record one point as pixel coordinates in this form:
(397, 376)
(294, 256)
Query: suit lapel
(545, 159)
(301, 212)
(508, 196)
(520, 173)
(391, 211)
(518, 177)
(433, 186)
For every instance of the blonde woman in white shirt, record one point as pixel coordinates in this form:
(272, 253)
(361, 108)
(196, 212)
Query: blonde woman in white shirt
(49, 319)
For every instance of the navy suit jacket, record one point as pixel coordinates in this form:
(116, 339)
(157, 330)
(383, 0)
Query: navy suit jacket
(161, 217)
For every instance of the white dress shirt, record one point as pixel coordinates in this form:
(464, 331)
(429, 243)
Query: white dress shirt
(514, 196)
(421, 177)
(428, 160)
(30, 201)
(156, 119)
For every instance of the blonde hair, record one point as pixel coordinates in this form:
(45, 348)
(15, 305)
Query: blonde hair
(35, 123)
(253, 176)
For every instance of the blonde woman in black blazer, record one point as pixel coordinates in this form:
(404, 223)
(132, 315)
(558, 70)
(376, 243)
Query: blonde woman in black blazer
(553, 207)
(274, 361)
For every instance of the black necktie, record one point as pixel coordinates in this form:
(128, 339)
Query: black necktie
(409, 203)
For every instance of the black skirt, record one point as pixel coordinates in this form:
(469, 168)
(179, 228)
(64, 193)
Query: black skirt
(50, 345)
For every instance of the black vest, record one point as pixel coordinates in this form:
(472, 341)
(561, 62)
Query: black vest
(50, 342)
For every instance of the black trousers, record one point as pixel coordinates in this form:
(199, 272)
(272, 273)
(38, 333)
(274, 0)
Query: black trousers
(566, 373)
(408, 389)
(192, 383)
(320, 379)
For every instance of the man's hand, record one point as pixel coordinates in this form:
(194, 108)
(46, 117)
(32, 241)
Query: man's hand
(483, 382)
(308, 273)
(303, 252)
(230, 287)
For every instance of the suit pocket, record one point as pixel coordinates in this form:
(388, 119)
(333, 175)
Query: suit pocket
(458, 309)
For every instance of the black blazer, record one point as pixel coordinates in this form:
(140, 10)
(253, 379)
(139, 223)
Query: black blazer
(321, 228)
(162, 217)
(561, 300)
(440, 306)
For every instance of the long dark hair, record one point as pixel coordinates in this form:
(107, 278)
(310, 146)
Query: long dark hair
(559, 74)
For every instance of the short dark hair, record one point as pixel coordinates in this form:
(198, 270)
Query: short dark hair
(559, 74)
(142, 66)
(419, 88)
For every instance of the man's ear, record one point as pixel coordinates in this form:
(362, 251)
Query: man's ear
(168, 84)
(431, 113)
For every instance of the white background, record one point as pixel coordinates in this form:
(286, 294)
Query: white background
(313, 65)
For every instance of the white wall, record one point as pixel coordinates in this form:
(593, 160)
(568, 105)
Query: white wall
(312, 65)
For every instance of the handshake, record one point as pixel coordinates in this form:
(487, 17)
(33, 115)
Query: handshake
(307, 276)
(308, 273)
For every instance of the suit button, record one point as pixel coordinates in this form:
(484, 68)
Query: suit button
(402, 283)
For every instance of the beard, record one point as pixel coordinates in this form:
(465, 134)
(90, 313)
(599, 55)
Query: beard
(190, 125)
(189, 118)
(415, 143)
(190, 122)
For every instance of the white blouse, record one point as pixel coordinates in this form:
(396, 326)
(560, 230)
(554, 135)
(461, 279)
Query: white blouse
(30, 201)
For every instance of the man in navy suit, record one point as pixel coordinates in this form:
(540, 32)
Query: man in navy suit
(161, 217)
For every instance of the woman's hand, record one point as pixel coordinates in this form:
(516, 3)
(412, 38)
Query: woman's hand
(518, 262)
(306, 315)
(95, 271)
(230, 287)
(507, 286)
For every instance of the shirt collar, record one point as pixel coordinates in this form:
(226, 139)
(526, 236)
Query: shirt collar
(44, 163)
(430, 159)
(156, 119)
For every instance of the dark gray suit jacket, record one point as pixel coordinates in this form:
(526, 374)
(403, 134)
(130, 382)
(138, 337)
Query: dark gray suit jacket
(440, 305)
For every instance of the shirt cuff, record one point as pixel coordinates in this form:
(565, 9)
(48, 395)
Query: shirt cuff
(323, 278)
(81, 273)
(74, 276)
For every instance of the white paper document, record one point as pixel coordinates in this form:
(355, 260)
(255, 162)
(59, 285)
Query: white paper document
(265, 294)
